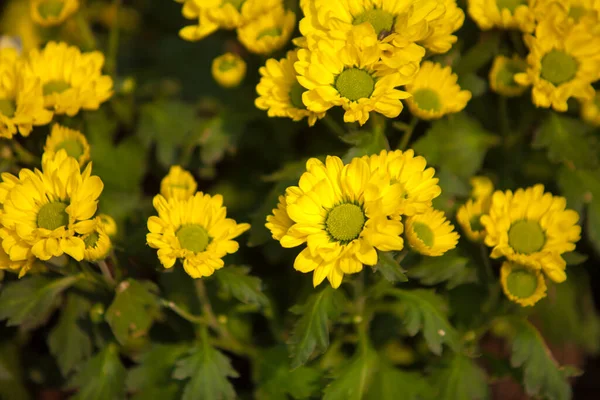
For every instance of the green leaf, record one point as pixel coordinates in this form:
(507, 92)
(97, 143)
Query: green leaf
(365, 143)
(12, 380)
(30, 301)
(68, 342)
(458, 143)
(460, 378)
(567, 141)
(480, 54)
(473, 83)
(579, 186)
(389, 267)
(102, 377)
(133, 310)
(541, 374)
(450, 268)
(236, 282)
(422, 311)
(574, 258)
(276, 380)
(207, 370)
(352, 381)
(388, 382)
(311, 332)
(154, 372)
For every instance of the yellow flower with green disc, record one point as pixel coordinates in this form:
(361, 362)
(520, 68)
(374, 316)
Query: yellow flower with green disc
(228, 70)
(521, 284)
(502, 75)
(52, 12)
(469, 214)
(97, 242)
(178, 184)
(269, 31)
(75, 144)
(338, 211)
(504, 14)
(430, 233)
(532, 228)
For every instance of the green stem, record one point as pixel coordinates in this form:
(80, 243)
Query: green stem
(488, 271)
(87, 36)
(195, 319)
(334, 126)
(106, 272)
(408, 133)
(113, 42)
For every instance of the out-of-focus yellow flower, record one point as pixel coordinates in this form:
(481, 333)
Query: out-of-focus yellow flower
(505, 14)
(586, 12)
(108, 224)
(469, 214)
(430, 233)
(21, 99)
(482, 187)
(16, 21)
(280, 93)
(268, 32)
(435, 92)
(80, 86)
(52, 12)
(178, 184)
(71, 140)
(228, 70)
(590, 110)
(523, 285)
(441, 38)
(562, 63)
(502, 75)
(97, 243)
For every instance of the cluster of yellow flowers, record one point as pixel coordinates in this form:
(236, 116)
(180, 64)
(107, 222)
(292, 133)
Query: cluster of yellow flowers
(356, 53)
(56, 80)
(345, 213)
(48, 213)
(530, 228)
(191, 226)
(563, 39)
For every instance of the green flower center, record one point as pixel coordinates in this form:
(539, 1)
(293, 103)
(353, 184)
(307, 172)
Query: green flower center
(424, 233)
(51, 8)
(193, 237)
(522, 283)
(475, 223)
(227, 65)
(55, 87)
(355, 84)
(52, 216)
(274, 32)
(380, 20)
(7, 108)
(510, 5)
(345, 222)
(237, 4)
(427, 100)
(91, 240)
(526, 236)
(506, 75)
(558, 67)
(577, 12)
(296, 93)
(73, 147)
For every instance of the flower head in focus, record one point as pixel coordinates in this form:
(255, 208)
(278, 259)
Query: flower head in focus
(430, 233)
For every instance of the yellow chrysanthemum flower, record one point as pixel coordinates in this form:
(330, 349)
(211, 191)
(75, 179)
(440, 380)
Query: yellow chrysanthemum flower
(75, 144)
(563, 61)
(228, 70)
(482, 187)
(430, 233)
(269, 31)
(212, 15)
(586, 12)
(47, 210)
(521, 284)
(52, 12)
(590, 110)
(280, 93)
(178, 184)
(502, 75)
(71, 80)
(441, 38)
(505, 14)
(108, 224)
(338, 211)
(21, 99)
(97, 243)
(435, 92)
(532, 228)
(411, 180)
(469, 214)
(193, 230)
(349, 78)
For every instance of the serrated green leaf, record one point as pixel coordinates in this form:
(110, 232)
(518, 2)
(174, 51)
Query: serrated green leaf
(68, 343)
(311, 332)
(567, 141)
(389, 267)
(458, 144)
(207, 370)
(450, 268)
(29, 301)
(102, 377)
(422, 311)
(133, 309)
(460, 378)
(352, 381)
(237, 282)
(276, 381)
(541, 374)
(389, 382)
(155, 367)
